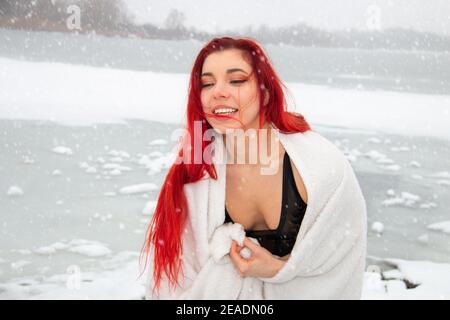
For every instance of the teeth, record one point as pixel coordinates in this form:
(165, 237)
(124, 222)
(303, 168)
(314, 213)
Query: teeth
(224, 110)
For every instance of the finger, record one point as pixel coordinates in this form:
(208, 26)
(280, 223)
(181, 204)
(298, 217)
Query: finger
(251, 245)
(236, 246)
(233, 247)
(234, 253)
(240, 262)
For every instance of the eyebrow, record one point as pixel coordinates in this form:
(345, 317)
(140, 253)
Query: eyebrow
(228, 71)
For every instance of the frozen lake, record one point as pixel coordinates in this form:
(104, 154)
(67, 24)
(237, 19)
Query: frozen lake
(71, 180)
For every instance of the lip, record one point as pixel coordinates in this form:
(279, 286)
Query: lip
(222, 106)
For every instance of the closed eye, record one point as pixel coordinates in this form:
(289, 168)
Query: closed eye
(204, 85)
(238, 81)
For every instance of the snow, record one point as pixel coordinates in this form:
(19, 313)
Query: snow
(149, 207)
(441, 174)
(385, 161)
(100, 160)
(428, 205)
(138, 188)
(98, 95)
(375, 155)
(45, 250)
(115, 172)
(430, 281)
(89, 95)
(380, 158)
(80, 246)
(377, 227)
(352, 155)
(410, 197)
(14, 191)
(116, 166)
(405, 198)
(19, 264)
(103, 217)
(120, 281)
(158, 142)
(27, 160)
(119, 153)
(91, 250)
(390, 192)
(393, 167)
(156, 154)
(91, 170)
(424, 238)
(374, 140)
(440, 226)
(245, 253)
(414, 164)
(393, 274)
(62, 150)
(444, 182)
(56, 172)
(426, 280)
(84, 165)
(156, 165)
(399, 149)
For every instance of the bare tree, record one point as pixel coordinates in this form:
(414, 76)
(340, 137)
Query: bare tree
(6, 8)
(175, 20)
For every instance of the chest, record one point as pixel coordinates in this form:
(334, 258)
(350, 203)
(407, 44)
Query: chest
(254, 200)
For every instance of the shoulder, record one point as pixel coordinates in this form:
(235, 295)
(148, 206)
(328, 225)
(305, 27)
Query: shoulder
(313, 145)
(319, 161)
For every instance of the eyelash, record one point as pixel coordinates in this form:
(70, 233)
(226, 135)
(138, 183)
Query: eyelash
(233, 81)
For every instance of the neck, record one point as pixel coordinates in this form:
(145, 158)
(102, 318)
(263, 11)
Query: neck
(252, 147)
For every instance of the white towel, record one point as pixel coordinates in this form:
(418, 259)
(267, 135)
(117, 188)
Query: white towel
(328, 258)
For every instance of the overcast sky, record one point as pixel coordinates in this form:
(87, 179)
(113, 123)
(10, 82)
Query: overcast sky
(213, 15)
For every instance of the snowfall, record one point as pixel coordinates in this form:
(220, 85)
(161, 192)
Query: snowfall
(81, 170)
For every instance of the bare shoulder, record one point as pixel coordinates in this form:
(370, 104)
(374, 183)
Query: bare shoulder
(318, 158)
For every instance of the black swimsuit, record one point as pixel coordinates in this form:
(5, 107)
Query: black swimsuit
(281, 240)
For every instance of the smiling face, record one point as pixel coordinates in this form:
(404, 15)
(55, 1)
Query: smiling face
(229, 94)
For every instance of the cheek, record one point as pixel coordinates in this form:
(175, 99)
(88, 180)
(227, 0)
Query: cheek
(249, 100)
(204, 100)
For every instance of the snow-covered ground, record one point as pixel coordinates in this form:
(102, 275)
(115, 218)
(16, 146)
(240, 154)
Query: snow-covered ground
(76, 199)
(116, 279)
(75, 94)
(409, 280)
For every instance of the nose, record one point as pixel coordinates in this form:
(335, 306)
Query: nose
(219, 91)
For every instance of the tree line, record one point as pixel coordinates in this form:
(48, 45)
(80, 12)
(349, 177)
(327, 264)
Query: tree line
(111, 17)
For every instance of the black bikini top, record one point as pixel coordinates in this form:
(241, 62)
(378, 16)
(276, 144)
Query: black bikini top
(280, 241)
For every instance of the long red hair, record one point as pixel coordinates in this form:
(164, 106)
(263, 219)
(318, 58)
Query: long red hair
(165, 230)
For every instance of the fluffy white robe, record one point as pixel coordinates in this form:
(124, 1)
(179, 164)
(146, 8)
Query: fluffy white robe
(328, 258)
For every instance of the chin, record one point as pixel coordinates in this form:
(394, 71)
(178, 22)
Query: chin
(224, 129)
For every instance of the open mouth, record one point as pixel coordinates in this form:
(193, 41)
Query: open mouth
(225, 111)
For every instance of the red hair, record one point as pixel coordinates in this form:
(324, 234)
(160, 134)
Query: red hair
(165, 230)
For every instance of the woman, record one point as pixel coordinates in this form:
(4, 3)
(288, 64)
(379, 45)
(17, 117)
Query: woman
(287, 220)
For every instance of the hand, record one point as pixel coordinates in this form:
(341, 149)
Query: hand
(262, 263)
